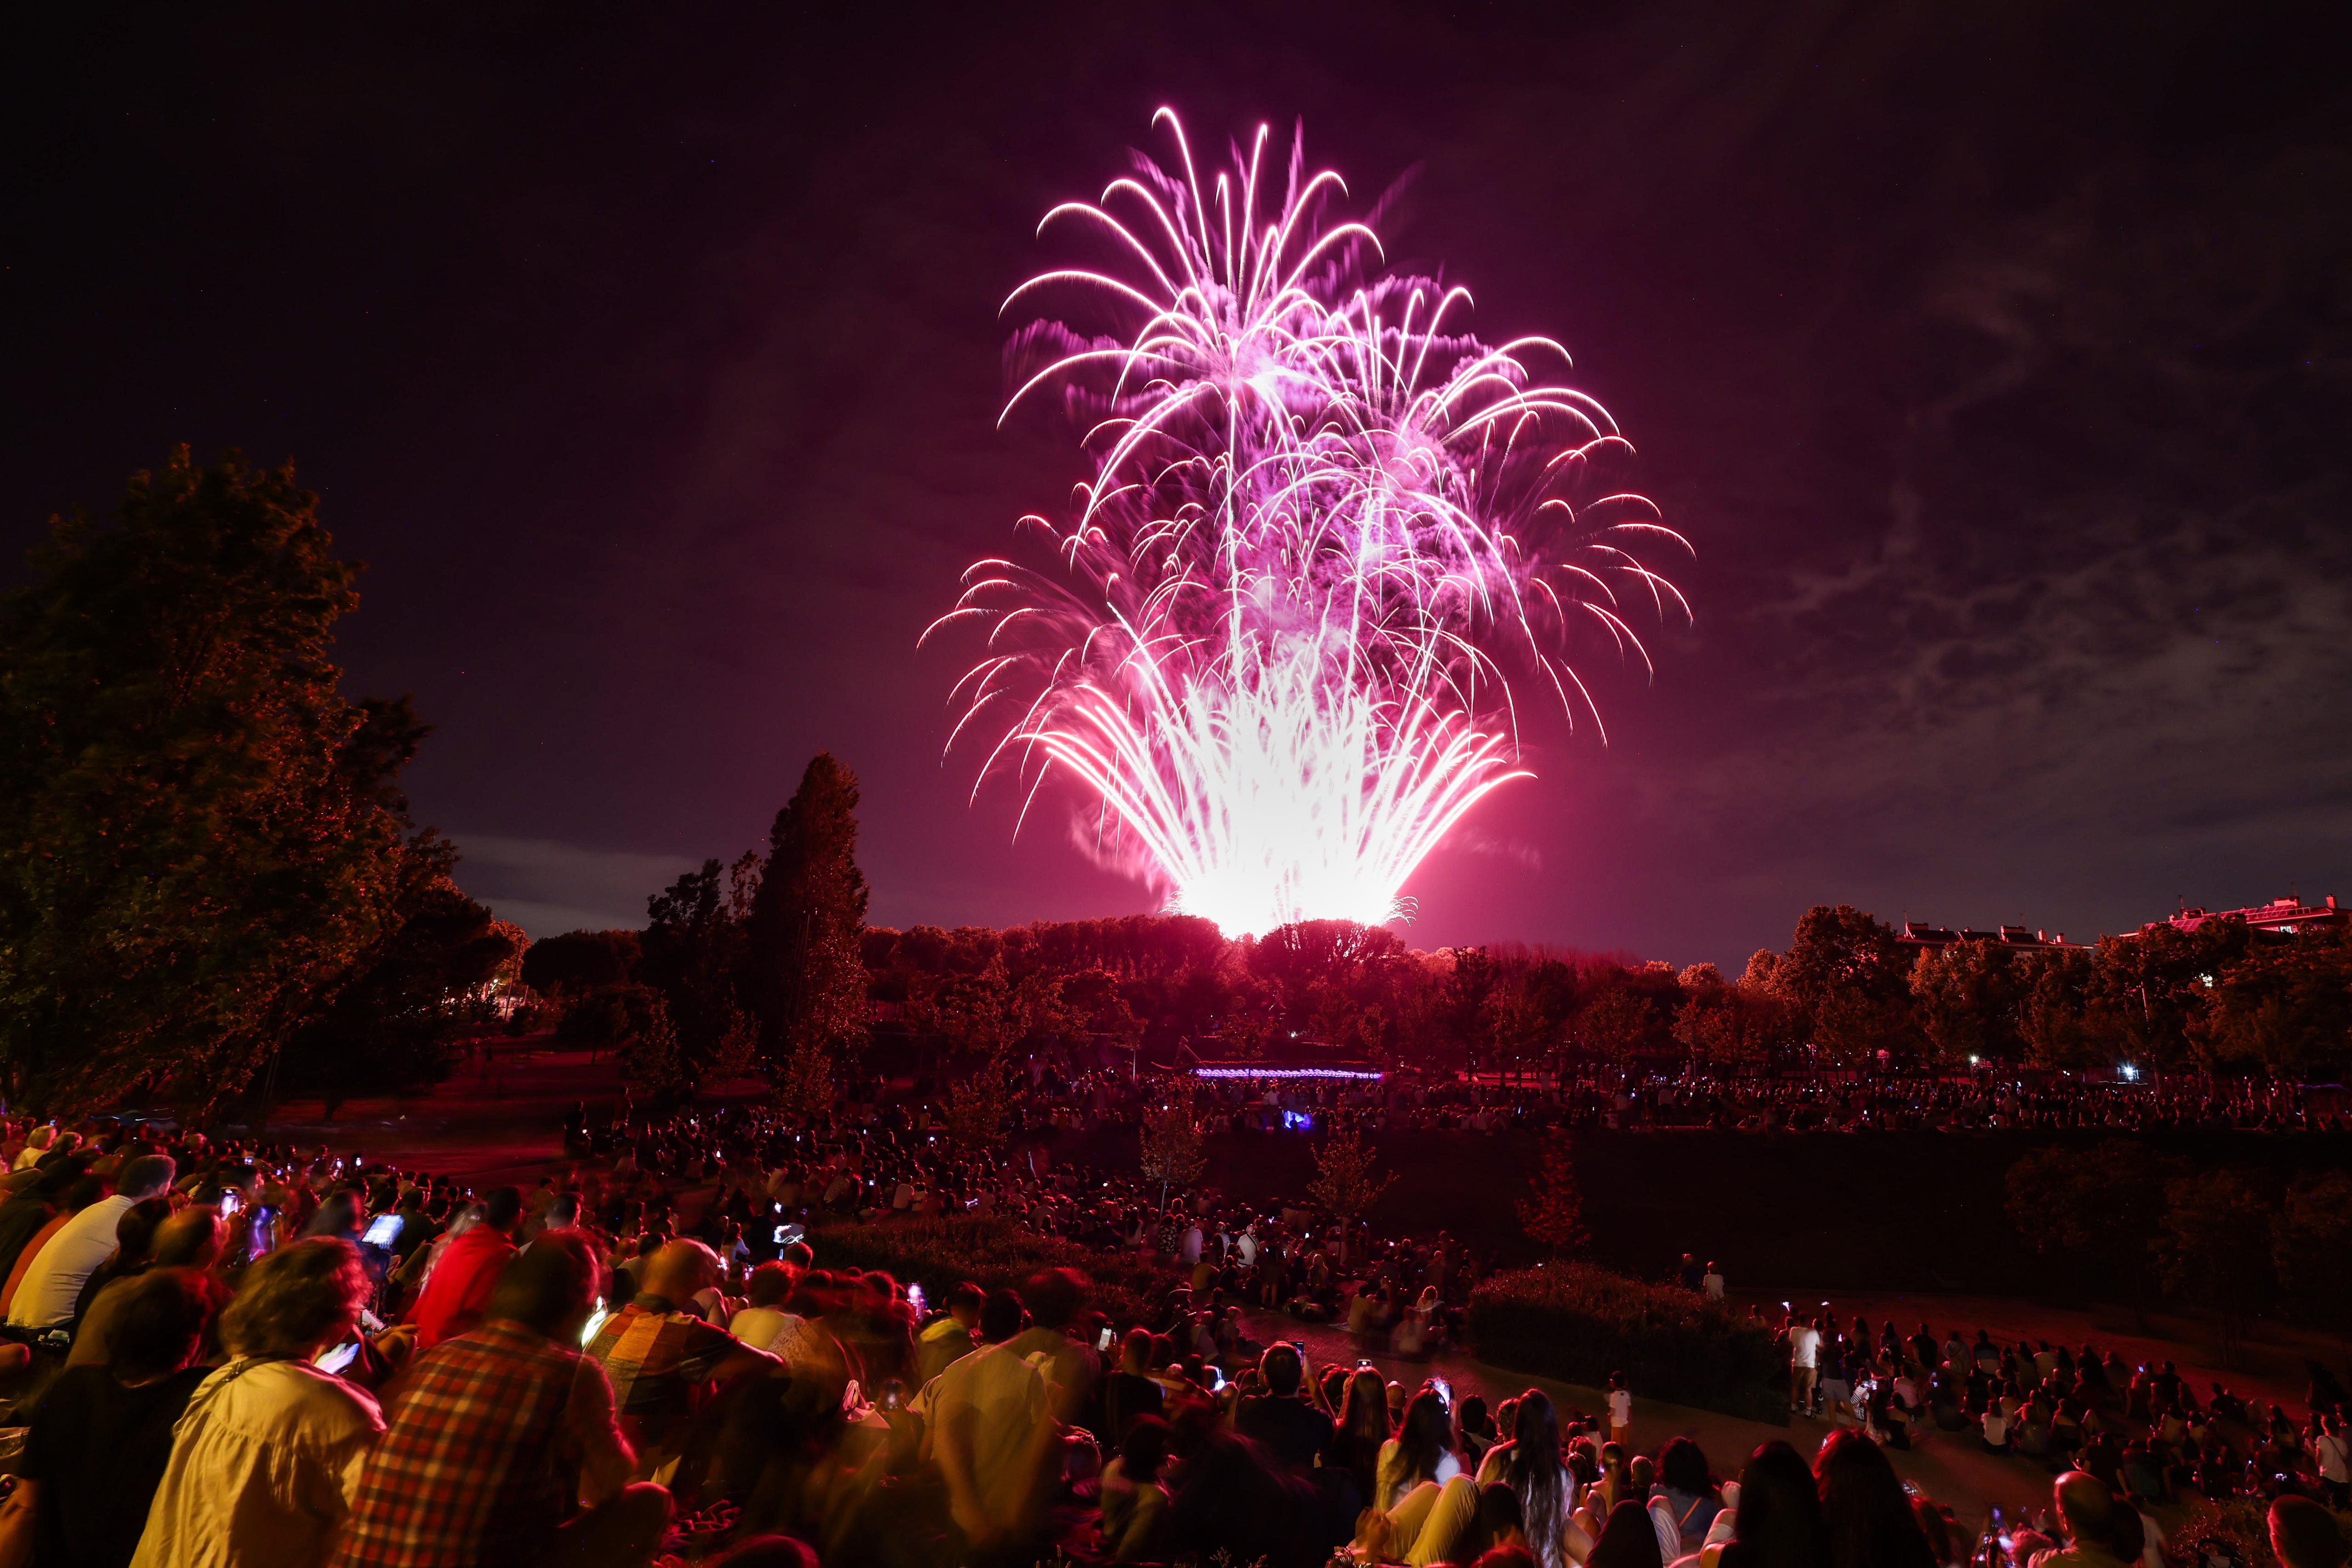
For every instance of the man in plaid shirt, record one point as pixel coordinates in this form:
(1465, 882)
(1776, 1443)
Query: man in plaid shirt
(499, 1432)
(661, 1359)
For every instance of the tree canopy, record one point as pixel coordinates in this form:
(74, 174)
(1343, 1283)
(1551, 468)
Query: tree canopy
(204, 843)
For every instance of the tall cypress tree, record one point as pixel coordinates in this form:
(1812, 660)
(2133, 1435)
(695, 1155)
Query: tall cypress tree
(804, 974)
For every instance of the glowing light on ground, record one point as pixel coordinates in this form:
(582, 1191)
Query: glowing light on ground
(1323, 529)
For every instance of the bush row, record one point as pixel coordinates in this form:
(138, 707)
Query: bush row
(938, 1254)
(1579, 1323)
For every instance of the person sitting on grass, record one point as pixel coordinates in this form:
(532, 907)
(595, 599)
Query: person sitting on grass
(1777, 1520)
(1134, 1500)
(498, 1433)
(101, 1435)
(263, 1458)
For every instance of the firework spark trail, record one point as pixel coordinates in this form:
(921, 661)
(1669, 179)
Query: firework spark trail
(1322, 524)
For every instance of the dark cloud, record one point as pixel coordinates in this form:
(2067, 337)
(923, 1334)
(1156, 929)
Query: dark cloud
(1994, 357)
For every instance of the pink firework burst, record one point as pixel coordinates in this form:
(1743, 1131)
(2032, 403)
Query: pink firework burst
(1323, 529)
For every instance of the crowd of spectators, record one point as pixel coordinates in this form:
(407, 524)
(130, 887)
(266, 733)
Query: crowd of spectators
(1052, 1096)
(1694, 1098)
(225, 1352)
(2143, 1431)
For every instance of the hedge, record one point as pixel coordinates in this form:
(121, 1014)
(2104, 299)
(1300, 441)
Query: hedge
(1579, 1323)
(939, 1253)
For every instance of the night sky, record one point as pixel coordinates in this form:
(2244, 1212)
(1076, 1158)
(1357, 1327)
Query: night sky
(1996, 358)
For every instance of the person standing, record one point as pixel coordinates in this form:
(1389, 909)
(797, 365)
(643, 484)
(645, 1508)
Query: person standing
(102, 1436)
(1804, 1365)
(1621, 1412)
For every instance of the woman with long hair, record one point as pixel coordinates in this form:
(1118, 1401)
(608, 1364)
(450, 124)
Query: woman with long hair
(1628, 1541)
(1614, 1485)
(1530, 1465)
(1422, 1451)
(1777, 1520)
(1864, 1508)
(1363, 1427)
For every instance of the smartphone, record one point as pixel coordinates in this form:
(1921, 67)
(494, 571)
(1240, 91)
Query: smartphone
(1444, 1391)
(383, 1230)
(337, 1359)
(230, 1202)
(1103, 1340)
(787, 1235)
(595, 1321)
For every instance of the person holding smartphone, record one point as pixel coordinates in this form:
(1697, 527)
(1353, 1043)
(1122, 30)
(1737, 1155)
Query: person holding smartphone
(269, 1443)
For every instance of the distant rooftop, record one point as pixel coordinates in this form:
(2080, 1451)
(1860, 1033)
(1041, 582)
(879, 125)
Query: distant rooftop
(1919, 934)
(2284, 915)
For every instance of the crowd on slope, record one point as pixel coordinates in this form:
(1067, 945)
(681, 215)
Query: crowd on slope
(1055, 1096)
(222, 1352)
(2145, 1432)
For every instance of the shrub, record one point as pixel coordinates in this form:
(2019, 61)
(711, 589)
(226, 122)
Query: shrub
(1579, 1323)
(939, 1253)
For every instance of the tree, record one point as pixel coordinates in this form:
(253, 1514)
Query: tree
(1174, 1154)
(2213, 1249)
(975, 1106)
(1553, 1210)
(578, 962)
(1968, 998)
(989, 1012)
(201, 841)
(2053, 1017)
(2284, 1007)
(690, 956)
(1345, 1182)
(1251, 1020)
(2148, 991)
(1467, 1000)
(803, 973)
(1092, 1003)
(1616, 1024)
(653, 1060)
(2095, 1210)
(801, 1085)
(1531, 1012)
(1852, 978)
(1734, 1025)
(2311, 1247)
(427, 984)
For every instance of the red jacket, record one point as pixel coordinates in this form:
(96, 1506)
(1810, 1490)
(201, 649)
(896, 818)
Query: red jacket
(454, 1299)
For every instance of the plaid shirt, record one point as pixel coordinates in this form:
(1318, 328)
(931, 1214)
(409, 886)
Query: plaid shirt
(656, 1357)
(481, 1461)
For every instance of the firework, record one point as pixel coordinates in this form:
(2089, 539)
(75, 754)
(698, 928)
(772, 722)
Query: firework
(1323, 529)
